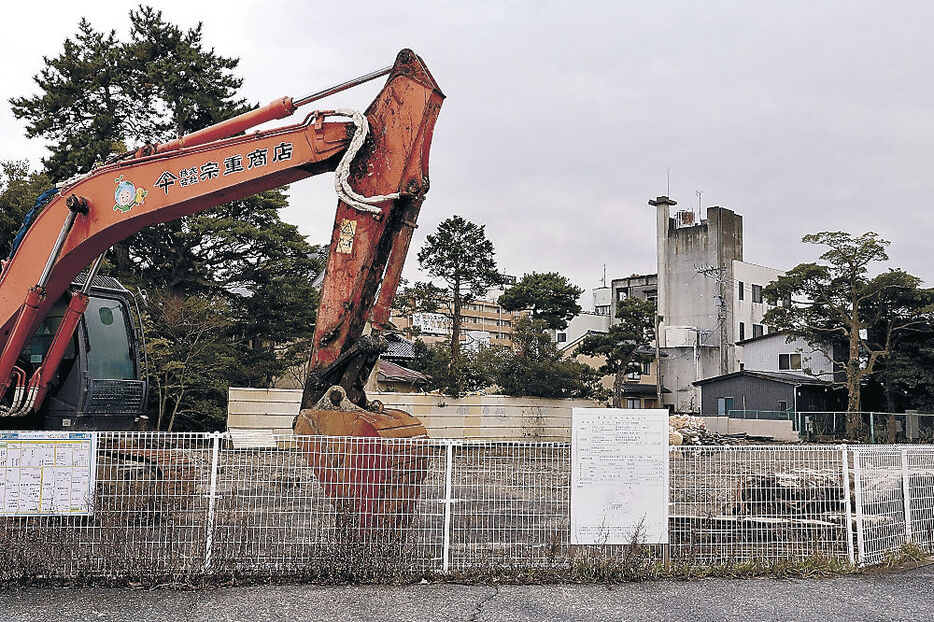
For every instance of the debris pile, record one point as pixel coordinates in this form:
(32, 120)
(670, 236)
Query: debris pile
(688, 430)
(802, 492)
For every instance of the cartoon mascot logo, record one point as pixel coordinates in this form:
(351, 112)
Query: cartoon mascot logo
(127, 195)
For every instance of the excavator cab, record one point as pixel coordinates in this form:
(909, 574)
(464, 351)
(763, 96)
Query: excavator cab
(98, 385)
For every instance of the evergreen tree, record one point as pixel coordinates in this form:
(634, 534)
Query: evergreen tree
(19, 188)
(461, 256)
(535, 367)
(624, 346)
(85, 109)
(836, 301)
(548, 296)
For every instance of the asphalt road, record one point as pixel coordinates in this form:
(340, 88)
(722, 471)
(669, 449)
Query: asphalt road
(901, 596)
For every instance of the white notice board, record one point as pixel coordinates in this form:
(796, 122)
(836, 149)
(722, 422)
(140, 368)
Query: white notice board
(47, 473)
(619, 475)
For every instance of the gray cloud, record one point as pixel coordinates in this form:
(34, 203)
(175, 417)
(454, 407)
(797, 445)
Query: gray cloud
(562, 118)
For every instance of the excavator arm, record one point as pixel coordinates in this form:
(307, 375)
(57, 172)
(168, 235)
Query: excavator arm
(381, 160)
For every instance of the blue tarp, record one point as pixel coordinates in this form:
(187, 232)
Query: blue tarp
(44, 198)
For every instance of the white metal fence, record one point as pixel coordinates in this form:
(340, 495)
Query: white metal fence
(189, 505)
(894, 499)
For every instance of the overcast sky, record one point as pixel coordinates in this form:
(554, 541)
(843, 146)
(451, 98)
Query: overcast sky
(563, 118)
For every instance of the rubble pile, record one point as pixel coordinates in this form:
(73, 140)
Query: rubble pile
(688, 430)
(804, 492)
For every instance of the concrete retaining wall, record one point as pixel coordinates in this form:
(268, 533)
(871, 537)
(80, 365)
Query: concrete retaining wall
(779, 430)
(484, 417)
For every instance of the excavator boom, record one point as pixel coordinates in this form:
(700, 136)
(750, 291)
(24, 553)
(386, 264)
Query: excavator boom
(381, 164)
(175, 180)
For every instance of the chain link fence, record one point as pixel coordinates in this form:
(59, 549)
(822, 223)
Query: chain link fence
(200, 505)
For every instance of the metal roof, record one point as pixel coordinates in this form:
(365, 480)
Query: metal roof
(784, 377)
(632, 388)
(100, 282)
(390, 372)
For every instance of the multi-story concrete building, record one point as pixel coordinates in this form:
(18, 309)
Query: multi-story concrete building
(642, 286)
(708, 297)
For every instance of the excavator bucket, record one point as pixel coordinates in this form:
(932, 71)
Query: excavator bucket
(370, 462)
(375, 475)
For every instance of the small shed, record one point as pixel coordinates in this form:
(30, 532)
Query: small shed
(767, 392)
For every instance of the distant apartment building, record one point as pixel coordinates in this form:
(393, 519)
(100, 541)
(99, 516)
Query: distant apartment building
(642, 286)
(483, 322)
(603, 301)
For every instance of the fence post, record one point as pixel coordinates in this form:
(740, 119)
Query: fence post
(212, 500)
(845, 456)
(448, 502)
(872, 428)
(858, 484)
(906, 495)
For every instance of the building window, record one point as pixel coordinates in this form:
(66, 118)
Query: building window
(647, 368)
(633, 375)
(757, 330)
(782, 406)
(724, 406)
(789, 361)
(562, 337)
(742, 331)
(633, 402)
(757, 293)
(620, 295)
(742, 294)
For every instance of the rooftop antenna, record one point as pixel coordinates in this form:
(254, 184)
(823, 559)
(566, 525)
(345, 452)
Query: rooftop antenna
(604, 275)
(668, 175)
(700, 209)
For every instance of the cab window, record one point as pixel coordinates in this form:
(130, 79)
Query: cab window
(109, 351)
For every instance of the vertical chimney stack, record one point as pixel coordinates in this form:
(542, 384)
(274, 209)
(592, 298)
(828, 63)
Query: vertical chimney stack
(663, 207)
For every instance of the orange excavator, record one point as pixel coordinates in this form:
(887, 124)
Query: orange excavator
(380, 160)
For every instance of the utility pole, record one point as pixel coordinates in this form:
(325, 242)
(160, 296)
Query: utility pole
(718, 273)
(658, 361)
(721, 300)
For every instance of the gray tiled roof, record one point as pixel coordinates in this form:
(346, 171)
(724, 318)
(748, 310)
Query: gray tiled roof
(399, 347)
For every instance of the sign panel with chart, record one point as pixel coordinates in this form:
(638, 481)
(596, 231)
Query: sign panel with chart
(619, 476)
(47, 473)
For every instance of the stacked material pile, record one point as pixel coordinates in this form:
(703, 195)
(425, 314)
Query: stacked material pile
(688, 430)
